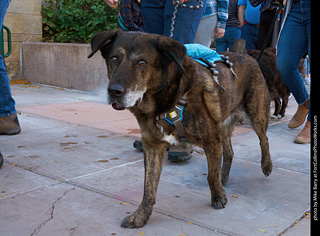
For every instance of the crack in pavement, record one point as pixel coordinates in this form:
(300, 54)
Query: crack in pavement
(37, 230)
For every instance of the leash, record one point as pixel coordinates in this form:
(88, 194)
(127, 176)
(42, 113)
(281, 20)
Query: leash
(174, 15)
(270, 30)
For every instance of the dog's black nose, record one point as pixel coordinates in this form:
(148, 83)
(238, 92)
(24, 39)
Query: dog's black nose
(116, 90)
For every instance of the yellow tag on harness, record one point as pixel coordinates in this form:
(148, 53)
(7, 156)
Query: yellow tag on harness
(173, 114)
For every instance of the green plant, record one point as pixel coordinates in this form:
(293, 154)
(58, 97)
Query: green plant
(76, 20)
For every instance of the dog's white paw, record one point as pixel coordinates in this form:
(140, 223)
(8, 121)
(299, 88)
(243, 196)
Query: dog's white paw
(279, 117)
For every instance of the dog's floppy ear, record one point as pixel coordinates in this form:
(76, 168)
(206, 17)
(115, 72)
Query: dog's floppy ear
(101, 39)
(172, 50)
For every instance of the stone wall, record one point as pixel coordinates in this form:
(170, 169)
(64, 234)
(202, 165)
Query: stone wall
(25, 22)
(64, 65)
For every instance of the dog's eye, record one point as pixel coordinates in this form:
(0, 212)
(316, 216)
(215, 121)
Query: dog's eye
(114, 60)
(142, 63)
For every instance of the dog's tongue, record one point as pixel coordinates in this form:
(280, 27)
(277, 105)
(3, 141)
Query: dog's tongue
(118, 106)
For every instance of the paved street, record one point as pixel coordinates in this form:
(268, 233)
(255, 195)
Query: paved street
(73, 171)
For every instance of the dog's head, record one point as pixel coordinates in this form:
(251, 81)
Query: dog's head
(138, 64)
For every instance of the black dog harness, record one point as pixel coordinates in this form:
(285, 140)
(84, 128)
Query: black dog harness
(175, 115)
(214, 72)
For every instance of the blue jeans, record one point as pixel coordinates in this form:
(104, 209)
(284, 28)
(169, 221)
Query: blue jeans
(157, 16)
(294, 41)
(7, 104)
(249, 33)
(230, 36)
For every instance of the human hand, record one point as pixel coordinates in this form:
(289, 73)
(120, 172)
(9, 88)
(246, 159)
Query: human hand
(112, 3)
(219, 32)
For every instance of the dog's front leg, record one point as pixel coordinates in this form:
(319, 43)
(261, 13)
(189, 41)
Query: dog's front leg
(214, 155)
(153, 161)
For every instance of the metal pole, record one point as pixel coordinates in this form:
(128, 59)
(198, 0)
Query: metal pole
(2, 41)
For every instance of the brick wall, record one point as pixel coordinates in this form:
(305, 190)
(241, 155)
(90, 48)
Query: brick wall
(25, 22)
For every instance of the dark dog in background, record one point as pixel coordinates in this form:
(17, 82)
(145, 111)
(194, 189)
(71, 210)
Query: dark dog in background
(268, 65)
(148, 74)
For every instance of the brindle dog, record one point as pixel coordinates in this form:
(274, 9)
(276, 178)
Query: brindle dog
(148, 74)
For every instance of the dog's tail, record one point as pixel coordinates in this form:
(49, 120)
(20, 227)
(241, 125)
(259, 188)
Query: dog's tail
(239, 46)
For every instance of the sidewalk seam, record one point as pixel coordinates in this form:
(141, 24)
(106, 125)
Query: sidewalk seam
(103, 171)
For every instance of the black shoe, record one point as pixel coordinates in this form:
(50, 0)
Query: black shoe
(138, 145)
(175, 153)
(181, 152)
(1, 159)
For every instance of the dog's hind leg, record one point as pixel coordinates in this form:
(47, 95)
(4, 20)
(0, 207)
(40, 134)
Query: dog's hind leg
(258, 110)
(153, 161)
(227, 153)
(285, 100)
(214, 154)
(277, 105)
(266, 163)
(260, 122)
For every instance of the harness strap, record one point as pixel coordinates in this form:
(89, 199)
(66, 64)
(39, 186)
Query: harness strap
(214, 71)
(229, 64)
(175, 117)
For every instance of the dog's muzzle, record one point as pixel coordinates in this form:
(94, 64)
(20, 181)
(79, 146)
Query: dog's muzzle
(121, 98)
(116, 92)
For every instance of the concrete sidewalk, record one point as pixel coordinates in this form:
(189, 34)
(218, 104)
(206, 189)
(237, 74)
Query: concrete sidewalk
(73, 171)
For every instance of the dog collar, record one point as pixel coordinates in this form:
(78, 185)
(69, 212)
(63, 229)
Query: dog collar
(175, 117)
